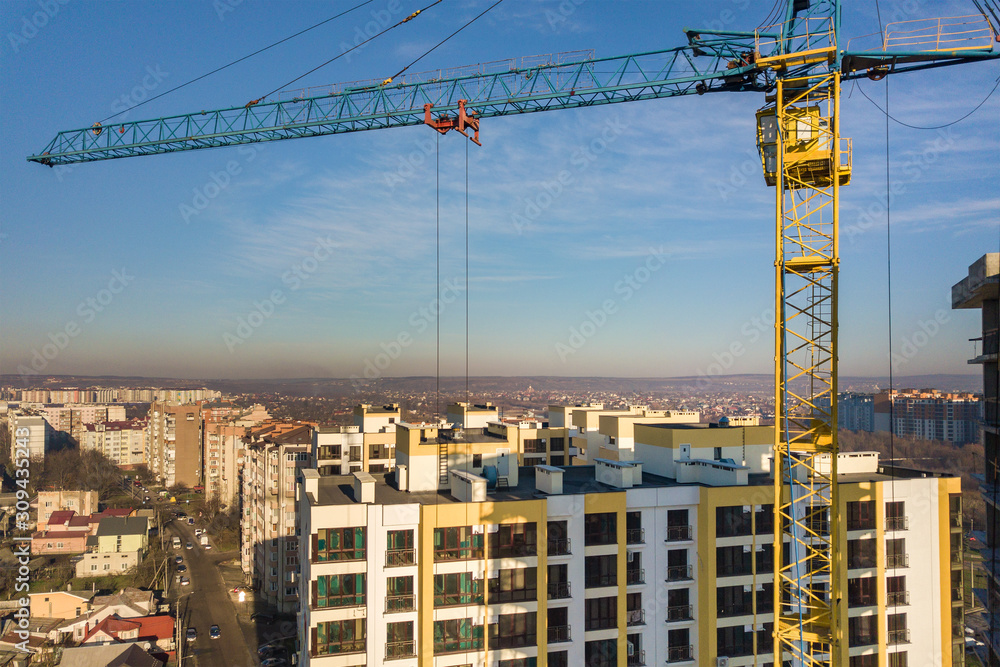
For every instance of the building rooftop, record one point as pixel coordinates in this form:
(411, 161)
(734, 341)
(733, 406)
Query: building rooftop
(113, 525)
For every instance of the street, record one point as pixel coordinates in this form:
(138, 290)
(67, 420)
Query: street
(204, 602)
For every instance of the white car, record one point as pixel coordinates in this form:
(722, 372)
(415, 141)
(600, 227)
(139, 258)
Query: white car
(185, 581)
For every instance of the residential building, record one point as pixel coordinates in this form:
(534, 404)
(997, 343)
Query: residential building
(118, 655)
(583, 422)
(121, 534)
(124, 442)
(155, 631)
(617, 563)
(45, 542)
(929, 414)
(368, 445)
(31, 430)
(269, 524)
(980, 289)
(223, 457)
(60, 604)
(81, 502)
(855, 411)
(175, 443)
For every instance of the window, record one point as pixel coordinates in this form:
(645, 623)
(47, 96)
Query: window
(339, 590)
(558, 625)
(477, 461)
(601, 613)
(514, 630)
(399, 640)
(678, 527)
(895, 553)
(633, 528)
(559, 659)
(862, 630)
(898, 659)
(861, 515)
(868, 660)
(677, 565)
(860, 553)
(733, 601)
(558, 582)
(898, 633)
(339, 637)
(734, 641)
(557, 538)
(399, 548)
(895, 515)
(861, 592)
(339, 544)
(600, 571)
(678, 604)
(763, 520)
(515, 585)
(514, 540)
(732, 561)
(600, 529)
(602, 653)
(732, 521)
(457, 589)
(456, 636)
(457, 543)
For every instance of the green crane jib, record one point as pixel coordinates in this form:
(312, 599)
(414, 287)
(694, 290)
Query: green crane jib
(798, 66)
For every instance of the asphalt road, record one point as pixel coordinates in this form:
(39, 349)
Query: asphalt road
(204, 602)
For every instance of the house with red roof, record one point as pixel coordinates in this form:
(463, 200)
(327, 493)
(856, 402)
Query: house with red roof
(156, 631)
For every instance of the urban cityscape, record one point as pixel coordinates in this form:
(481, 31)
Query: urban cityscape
(577, 333)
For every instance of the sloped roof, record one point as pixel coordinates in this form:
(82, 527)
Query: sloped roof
(110, 655)
(113, 525)
(61, 517)
(112, 626)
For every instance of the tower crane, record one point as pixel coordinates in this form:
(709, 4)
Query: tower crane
(798, 65)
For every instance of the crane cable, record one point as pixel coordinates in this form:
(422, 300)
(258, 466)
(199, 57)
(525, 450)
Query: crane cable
(356, 46)
(425, 53)
(932, 127)
(239, 60)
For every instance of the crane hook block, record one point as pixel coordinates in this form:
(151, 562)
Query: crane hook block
(464, 120)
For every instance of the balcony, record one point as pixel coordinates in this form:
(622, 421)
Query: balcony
(898, 637)
(895, 561)
(475, 596)
(898, 598)
(955, 520)
(400, 650)
(395, 604)
(559, 634)
(635, 536)
(678, 533)
(601, 580)
(560, 547)
(678, 572)
(680, 654)
(636, 659)
(461, 645)
(559, 590)
(635, 617)
(679, 613)
(517, 595)
(741, 609)
(897, 523)
(400, 557)
(635, 576)
(512, 641)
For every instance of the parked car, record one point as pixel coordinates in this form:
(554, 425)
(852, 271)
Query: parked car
(185, 581)
(261, 617)
(270, 650)
(214, 632)
(190, 520)
(274, 662)
(182, 568)
(198, 531)
(178, 559)
(189, 546)
(192, 634)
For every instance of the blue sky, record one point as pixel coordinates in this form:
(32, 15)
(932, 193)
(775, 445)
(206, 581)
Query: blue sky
(667, 193)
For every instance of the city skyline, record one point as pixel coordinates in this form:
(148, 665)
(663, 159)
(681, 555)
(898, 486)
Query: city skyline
(626, 241)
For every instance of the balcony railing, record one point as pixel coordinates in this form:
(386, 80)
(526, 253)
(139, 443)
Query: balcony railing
(559, 547)
(679, 613)
(462, 645)
(597, 581)
(474, 596)
(893, 561)
(345, 646)
(678, 533)
(897, 598)
(559, 590)
(680, 653)
(898, 636)
(635, 617)
(955, 520)
(517, 595)
(559, 634)
(399, 603)
(459, 553)
(637, 659)
(601, 623)
(400, 557)
(398, 650)
(635, 576)
(678, 572)
(897, 523)
(635, 536)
